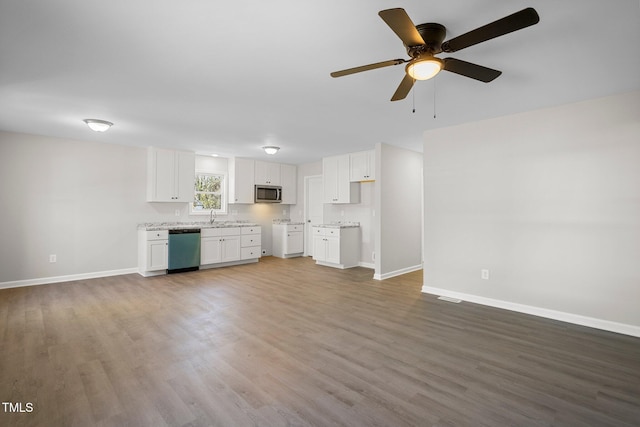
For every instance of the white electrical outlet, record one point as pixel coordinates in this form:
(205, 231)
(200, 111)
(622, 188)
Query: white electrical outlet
(53, 258)
(484, 274)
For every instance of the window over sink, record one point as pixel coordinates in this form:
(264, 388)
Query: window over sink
(210, 194)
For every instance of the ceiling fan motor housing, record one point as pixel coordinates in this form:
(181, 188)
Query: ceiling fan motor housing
(433, 35)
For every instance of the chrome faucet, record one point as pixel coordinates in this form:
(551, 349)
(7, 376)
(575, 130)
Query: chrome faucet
(212, 217)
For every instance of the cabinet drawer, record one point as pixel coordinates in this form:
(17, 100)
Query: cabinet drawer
(249, 253)
(157, 235)
(326, 231)
(223, 231)
(294, 227)
(332, 232)
(231, 231)
(210, 232)
(250, 230)
(318, 231)
(250, 240)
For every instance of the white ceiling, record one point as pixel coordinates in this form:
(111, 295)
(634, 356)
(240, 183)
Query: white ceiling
(229, 77)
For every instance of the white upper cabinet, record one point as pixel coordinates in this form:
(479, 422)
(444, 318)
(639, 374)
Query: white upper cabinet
(363, 166)
(336, 181)
(289, 182)
(241, 180)
(267, 173)
(170, 175)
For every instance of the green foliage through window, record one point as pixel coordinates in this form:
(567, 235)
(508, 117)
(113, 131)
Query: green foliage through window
(208, 192)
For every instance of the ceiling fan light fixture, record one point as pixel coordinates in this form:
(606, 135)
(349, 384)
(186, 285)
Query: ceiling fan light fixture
(98, 125)
(425, 68)
(270, 149)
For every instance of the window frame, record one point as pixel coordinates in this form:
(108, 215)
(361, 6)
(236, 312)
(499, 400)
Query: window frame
(223, 194)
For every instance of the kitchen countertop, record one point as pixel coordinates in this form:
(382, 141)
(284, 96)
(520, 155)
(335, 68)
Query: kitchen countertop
(155, 226)
(286, 222)
(339, 225)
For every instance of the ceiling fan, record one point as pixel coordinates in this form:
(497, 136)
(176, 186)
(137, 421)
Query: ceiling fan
(424, 41)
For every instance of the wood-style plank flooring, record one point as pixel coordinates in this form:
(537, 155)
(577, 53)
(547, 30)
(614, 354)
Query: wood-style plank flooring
(289, 343)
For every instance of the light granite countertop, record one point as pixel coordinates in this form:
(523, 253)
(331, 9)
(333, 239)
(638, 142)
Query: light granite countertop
(339, 225)
(287, 222)
(154, 226)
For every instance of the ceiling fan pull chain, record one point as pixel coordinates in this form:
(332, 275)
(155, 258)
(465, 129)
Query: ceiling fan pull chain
(434, 98)
(413, 94)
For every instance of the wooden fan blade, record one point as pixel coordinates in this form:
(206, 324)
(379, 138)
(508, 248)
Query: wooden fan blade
(467, 69)
(367, 67)
(506, 25)
(405, 87)
(402, 25)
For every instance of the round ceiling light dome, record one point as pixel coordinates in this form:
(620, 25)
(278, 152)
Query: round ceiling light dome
(98, 125)
(424, 68)
(270, 149)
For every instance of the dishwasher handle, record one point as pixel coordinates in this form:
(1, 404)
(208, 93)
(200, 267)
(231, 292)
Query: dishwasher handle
(185, 231)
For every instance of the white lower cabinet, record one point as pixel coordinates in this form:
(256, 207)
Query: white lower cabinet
(288, 240)
(336, 247)
(153, 252)
(227, 245)
(219, 245)
(251, 243)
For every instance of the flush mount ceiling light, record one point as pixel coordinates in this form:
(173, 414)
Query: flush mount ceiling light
(270, 149)
(425, 67)
(98, 125)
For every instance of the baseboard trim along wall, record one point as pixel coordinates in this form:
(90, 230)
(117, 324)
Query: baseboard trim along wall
(68, 278)
(397, 272)
(576, 319)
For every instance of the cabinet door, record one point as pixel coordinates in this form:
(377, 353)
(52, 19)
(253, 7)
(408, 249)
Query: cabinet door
(362, 166)
(230, 248)
(319, 248)
(210, 250)
(170, 175)
(294, 242)
(267, 173)
(336, 180)
(344, 184)
(288, 180)
(241, 180)
(157, 255)
(333, 249)
(185, 172)
(330, 179)
(161, 181)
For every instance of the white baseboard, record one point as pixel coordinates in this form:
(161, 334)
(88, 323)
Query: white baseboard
(397, 272)
(367, 265)
(606, 325)
(67, 278)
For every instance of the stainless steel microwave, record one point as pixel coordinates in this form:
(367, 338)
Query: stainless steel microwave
(268, 194)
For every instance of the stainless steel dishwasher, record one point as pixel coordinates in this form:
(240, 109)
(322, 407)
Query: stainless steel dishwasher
(184, 250)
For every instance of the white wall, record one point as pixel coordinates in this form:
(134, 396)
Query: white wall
(78, 200)
(82, 201)
(549, 202)
(398, 206)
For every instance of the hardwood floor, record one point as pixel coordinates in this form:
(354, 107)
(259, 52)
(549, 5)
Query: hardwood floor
(289, 343)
